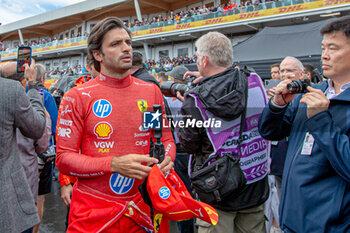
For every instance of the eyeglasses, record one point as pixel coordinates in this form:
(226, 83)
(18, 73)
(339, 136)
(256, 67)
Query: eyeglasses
(288, 71)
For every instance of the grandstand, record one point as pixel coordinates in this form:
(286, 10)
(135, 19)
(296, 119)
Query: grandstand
(160, 28)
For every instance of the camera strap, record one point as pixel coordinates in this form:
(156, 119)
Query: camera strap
(200, 164)
(241, 127)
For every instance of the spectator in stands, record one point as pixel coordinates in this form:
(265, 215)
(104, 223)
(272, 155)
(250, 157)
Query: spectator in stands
(233, 5)
(25, 112)
(257, 3)
(316, 180)
(248, 3)
(242, 6)
(168, 65)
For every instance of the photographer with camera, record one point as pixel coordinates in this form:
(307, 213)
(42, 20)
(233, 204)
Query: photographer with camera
(316, 179)
(226, 96)
(289, 69)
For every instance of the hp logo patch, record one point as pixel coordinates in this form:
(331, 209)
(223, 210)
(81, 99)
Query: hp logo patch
(164, 192)
(120, 184)
(102, 108)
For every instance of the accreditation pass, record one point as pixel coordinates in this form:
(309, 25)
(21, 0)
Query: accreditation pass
(308, 144)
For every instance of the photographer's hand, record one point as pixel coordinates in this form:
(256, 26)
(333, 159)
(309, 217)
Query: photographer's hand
(194, 74)
(271, 92)
(166, 165)
(195, 81)
(281, 96)
(180, 96)
(316, 101)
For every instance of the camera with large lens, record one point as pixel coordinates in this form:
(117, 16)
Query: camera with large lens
(299, 86)
(169, 88)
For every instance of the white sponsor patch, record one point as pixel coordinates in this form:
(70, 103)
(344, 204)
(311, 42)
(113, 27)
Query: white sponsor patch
(136, 135)
(69, 99)
(65, 110)
(141, 143)
(66, 122)
(64, 132)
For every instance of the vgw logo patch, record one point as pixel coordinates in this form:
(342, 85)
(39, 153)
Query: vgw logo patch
(152, 120)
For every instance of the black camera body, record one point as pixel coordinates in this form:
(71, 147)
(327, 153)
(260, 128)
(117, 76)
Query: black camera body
(169, 88)
(298, 86)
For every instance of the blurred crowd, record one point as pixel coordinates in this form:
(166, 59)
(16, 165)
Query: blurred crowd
(42, 41)
(195, 11)
(168, 63)
(162, 64)
(163, 17)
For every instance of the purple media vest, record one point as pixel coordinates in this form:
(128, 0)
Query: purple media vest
(255, 149)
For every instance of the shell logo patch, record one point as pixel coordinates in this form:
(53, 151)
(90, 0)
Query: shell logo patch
(103, 130)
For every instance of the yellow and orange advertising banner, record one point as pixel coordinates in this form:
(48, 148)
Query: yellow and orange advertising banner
(48, 48)
(224, 19)
(243, 16)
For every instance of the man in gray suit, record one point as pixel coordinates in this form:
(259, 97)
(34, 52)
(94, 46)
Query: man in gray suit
(25, 112)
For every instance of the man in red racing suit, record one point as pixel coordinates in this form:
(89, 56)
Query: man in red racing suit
(101, 140)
